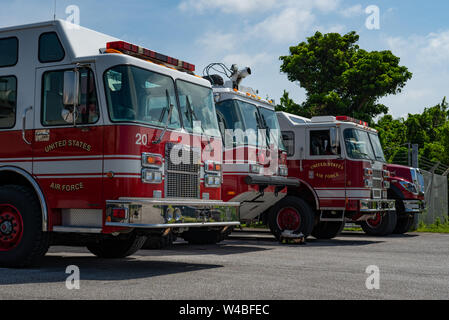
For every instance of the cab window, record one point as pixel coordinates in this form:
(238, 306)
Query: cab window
(9, 52)
(8, 102)
(288, 138)
(50, 48)
(52, 99)
(320, 143)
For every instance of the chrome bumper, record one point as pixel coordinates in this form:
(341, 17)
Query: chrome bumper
(413, 206)
(172, 213)
(376, 205)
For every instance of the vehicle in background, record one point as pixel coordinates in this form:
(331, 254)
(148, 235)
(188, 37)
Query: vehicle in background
(408, 189)
(254, 159)
(100, 145)
(341, 166)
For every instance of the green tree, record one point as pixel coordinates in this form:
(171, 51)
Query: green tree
(430, 130)
(342, 79)
(393, 136)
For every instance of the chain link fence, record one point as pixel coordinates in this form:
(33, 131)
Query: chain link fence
(436, 198)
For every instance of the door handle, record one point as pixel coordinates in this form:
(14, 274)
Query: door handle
(24, 121)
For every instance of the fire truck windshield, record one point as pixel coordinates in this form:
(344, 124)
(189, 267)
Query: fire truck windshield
(197, 108)
(139, 95)
(270, 120)
(241, 123)
(358, 144)
(377, 147)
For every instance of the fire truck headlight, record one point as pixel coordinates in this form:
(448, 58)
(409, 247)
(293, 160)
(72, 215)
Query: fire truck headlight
(255, 168)
(283, 171)
(169, 214)
(177, 214)
(386, 184)
(368, 172)
(150, 160)
(368, 183)
(212, 181)
(387, 173)
(408, 186)
(151, 176)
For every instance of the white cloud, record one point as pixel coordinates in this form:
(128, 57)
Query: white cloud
(227, 6)
(437, 47)
(353, 11)
(427, 57)
(432, 49)
(215, 42)
(286, 26)
(251, 6)
(247, 60)
(337, 28)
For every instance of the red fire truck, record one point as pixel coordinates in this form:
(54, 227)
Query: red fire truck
(340, 164)
(254, 168)
(407, 188)
(103, 143)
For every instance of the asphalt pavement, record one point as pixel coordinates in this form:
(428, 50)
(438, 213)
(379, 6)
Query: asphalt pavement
(248, 266)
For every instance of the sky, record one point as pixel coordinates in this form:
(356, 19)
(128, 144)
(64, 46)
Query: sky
(255, 33)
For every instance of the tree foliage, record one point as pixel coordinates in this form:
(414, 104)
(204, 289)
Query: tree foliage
(340, 78)
(430, 130)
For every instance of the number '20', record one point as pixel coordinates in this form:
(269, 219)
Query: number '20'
(141, 139)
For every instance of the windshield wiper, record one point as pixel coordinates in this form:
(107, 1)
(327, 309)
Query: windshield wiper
(366, 155)
(170, 111)
(262, 124)
(193, 115)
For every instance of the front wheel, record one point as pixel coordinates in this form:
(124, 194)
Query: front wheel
(381, 225)
(117, 248)
(404, 224)
(22, 241)
(328, 229)
(291, 214)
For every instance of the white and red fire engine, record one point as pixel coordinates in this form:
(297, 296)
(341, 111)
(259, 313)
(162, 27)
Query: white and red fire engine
(408, 189)
(340, 164)
(102, 144)
(254, 159)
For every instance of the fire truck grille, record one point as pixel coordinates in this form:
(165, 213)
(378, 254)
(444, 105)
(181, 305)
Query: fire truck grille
(182, 172)
(377, 184)
(182, 185)
(377, 179)
(377, 174)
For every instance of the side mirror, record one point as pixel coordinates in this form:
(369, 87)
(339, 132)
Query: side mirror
(334, 140)
(70, 96)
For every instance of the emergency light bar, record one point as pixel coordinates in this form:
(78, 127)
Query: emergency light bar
(143, 53)
(349, 119)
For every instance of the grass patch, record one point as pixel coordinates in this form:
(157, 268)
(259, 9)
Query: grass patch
(353, 229)
(255, 225)
(437, 227)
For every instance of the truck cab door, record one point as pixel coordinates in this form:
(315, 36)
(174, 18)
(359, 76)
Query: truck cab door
(325, 168)
(68, 156)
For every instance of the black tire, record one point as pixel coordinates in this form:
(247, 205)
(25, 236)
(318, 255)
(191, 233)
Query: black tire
(34, 243)
(404, 224)
(294, 206)
(159, 241)
(328, 229)
(117, 248)
(384, 227)
(201, 236)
